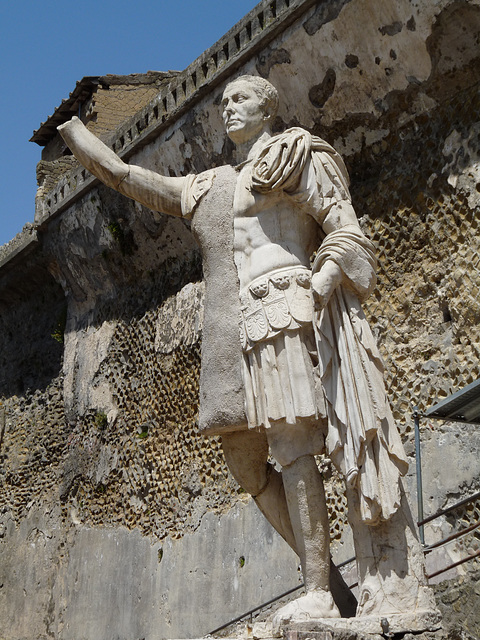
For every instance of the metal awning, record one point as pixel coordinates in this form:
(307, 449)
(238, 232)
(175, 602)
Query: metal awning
(462, 406)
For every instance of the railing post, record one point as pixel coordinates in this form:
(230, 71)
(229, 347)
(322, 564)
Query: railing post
(418, 460)
(2, 423)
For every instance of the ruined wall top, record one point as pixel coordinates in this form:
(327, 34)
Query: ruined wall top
(103, 103)
(256, 29)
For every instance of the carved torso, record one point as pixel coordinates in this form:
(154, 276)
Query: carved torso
(270, 231)
(255, 234)
(245, 235)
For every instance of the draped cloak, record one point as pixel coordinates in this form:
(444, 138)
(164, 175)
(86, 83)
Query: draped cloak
(362, 438)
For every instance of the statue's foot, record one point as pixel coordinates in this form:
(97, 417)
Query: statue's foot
(313, 605)
(393, 597)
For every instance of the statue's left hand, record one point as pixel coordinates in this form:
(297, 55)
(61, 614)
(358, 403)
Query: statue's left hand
(324, 283)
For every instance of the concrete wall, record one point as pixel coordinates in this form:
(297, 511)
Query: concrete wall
(101, 463)
(114, 582)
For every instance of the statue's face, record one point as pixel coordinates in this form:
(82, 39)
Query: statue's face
(243, 115)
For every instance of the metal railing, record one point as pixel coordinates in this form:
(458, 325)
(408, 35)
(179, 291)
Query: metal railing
(250, 612)
(454, 536)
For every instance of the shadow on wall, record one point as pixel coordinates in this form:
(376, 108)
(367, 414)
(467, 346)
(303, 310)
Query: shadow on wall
(32, 321)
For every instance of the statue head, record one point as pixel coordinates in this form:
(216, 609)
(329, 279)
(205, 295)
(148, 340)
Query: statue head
(249, 105)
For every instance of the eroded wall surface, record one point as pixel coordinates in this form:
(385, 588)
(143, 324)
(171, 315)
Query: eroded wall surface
(115, 513)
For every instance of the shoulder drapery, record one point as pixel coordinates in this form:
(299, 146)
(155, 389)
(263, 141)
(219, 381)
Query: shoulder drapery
(305, 167)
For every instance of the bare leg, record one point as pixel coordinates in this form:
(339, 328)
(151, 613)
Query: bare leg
(246, 453)
(273, 504)
(308, 513)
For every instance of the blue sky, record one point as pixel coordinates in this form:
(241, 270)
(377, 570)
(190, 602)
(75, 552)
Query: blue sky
(47, 46)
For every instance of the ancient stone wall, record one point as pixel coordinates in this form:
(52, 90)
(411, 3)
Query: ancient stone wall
(121, 97)
(100, 455)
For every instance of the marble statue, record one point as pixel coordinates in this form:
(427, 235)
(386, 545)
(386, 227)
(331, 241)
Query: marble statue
(289, 364)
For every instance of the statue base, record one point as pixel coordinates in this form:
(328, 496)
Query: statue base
(371, 627)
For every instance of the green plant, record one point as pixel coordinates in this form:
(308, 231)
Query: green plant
(116, 231)
(142, 431)
(58, 333)
(124, 239)
(101, 421)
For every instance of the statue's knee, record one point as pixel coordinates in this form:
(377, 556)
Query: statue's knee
(290, 442)
(246, 455)
(252, 480)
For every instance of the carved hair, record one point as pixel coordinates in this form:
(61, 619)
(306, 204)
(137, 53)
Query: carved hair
(264, 90)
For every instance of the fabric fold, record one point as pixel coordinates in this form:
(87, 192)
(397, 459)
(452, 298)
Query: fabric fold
(362, 441)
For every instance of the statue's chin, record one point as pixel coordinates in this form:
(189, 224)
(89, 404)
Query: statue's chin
(245, 134)
(237, 136)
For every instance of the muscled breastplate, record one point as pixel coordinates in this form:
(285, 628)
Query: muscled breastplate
(270, 232)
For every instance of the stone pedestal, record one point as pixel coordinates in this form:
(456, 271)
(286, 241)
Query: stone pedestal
(362, 628)
(365, 627)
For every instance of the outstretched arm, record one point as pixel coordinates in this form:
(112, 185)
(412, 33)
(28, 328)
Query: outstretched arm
(161, 193)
